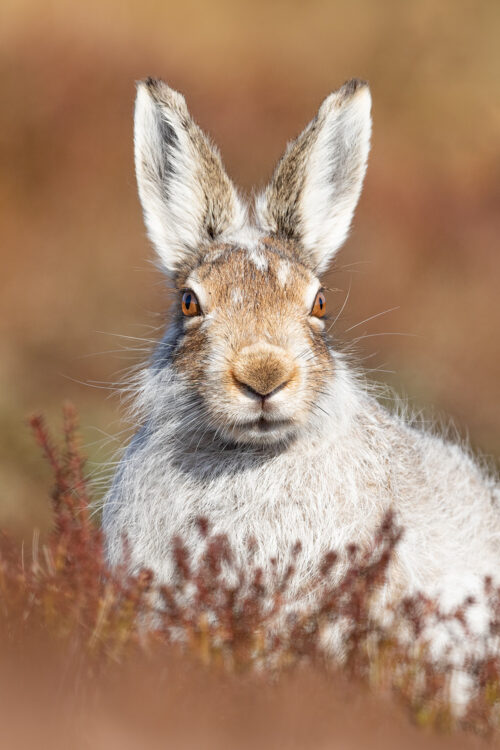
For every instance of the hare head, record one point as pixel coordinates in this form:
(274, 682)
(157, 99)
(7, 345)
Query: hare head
(248, 345)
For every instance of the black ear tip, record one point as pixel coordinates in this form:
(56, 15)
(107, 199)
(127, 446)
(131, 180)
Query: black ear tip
(149, 82)
(353, 86)
(162, 95)
(154, 86)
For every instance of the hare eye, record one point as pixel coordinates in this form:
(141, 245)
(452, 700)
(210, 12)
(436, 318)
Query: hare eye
(190, 304)
(319, 307)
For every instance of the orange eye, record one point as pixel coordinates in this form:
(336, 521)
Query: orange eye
(319, 307)
(190, 305)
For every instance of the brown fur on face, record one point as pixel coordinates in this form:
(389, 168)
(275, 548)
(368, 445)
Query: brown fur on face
(256, 357)
(262, 369)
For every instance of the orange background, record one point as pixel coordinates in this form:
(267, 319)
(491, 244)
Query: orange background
(76, 266)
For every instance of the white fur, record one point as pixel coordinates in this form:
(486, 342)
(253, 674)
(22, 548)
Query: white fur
(237, 296)
(258, 259)
(283, 272)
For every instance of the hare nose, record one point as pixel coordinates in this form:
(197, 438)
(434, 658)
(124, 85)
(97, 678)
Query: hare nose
(263, 371)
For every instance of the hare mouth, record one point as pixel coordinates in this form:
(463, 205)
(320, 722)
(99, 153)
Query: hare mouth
(266, 425)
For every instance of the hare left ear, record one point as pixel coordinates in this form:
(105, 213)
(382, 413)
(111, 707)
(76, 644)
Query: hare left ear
(317, 183)
(187, 198)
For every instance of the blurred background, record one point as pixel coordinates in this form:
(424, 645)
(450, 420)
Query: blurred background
(76, 265)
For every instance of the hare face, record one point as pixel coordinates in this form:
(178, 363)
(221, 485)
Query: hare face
(255, 354)
(249, 353)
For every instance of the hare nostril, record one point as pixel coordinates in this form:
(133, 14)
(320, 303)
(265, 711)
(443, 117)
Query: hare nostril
(250, 390)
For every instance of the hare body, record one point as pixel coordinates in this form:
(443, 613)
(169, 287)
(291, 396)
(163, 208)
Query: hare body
(251, 418)
(326, 492)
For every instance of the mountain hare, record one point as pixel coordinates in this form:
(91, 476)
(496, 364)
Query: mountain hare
(250, 416)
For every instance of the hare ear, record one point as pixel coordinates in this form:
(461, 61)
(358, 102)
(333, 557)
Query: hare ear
(316, 185)
(186, 195)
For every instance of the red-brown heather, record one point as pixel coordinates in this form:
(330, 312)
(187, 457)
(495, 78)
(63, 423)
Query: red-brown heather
(94, 659)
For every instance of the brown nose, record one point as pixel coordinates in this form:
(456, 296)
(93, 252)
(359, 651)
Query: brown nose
(263, 369)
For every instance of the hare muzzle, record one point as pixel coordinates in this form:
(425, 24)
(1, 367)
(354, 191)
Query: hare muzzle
(261, 371)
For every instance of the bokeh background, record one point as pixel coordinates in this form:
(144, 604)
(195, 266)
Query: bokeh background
(76, 266)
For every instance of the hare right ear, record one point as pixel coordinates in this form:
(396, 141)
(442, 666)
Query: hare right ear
(316, 185)
(187, 197)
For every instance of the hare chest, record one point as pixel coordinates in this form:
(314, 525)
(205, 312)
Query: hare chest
(264, 509)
